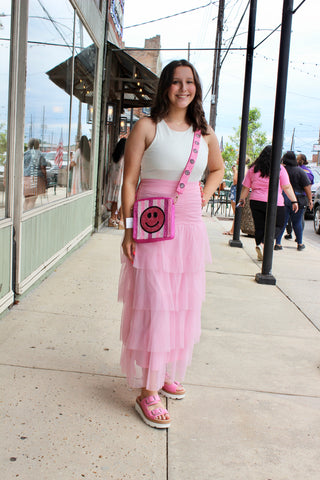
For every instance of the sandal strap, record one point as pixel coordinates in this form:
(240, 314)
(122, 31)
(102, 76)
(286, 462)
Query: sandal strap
(158, 411)
(151, 400)
(171, 387)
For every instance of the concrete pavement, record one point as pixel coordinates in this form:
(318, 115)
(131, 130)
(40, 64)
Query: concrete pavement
(252, 410)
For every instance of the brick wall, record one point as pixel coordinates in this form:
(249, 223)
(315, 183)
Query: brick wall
(150, 59)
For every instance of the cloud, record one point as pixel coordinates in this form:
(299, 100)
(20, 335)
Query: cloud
(57, 109)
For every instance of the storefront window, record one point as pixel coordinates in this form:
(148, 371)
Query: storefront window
(5, 21)
(82, 114)
(56, 109)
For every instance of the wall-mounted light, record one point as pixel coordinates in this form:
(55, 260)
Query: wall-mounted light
(123, 124)
(110, 113)
(89, 113)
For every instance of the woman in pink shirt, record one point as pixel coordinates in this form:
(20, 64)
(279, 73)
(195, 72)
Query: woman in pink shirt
(257, 180)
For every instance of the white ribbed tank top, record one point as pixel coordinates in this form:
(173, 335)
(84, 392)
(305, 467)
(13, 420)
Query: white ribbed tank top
(168, 153)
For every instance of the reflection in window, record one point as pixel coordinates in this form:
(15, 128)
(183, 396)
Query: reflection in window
(5, 21)
(61, 58)
(82, 100)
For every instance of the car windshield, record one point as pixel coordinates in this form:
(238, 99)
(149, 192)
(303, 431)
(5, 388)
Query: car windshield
(50, 157)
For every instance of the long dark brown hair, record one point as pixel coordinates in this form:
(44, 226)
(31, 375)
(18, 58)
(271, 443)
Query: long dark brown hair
(85, 147)
(160, 109)
(263, 163)
(118, 152)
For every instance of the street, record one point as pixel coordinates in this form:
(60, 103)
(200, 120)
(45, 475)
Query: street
(309, 235)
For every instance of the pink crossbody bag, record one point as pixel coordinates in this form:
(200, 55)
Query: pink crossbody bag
(153, 217)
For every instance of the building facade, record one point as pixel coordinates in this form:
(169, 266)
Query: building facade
(61, 77)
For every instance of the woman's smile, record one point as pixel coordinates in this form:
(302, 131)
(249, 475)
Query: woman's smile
(183, 88)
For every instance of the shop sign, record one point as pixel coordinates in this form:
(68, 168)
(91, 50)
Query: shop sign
(116, 11)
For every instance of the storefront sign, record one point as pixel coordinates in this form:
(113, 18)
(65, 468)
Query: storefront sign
(116, 11)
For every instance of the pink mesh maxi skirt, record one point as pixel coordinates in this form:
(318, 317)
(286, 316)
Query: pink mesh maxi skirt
(162, 294)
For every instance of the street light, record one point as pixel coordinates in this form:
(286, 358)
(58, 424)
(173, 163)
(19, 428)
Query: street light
(123, 124)
(110, 113)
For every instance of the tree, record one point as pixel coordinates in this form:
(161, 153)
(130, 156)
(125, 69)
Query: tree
(230, 156)
(256, 139)
(3, 144)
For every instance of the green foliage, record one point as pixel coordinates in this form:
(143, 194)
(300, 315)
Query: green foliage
(3, 144)
(230, 156)
(256, 139)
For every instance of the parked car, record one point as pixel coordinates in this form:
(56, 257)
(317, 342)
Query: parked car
(316, 210)
(52, 174)
(55, 175)
(316, 173)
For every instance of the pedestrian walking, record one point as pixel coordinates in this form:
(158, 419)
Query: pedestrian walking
(302, 188)
(257, 179)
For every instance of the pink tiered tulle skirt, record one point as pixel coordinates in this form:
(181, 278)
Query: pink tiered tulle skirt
(162, 293)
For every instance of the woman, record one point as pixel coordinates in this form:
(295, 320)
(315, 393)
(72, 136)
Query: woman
(114, 185)
(302, 188)
(257, 179)
(81, 167)
(34, 173)
(162, 284)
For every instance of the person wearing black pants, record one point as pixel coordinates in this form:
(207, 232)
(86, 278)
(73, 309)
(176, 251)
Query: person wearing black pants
(302, 188)
(259, 212)
(257, 179)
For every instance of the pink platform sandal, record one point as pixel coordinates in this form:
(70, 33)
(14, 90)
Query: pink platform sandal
(149, 416)
(170, 390)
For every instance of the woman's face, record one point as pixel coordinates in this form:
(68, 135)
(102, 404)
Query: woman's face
(183, 89)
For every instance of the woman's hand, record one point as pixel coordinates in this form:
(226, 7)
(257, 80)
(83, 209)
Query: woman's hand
(241, 202)
(128, 245)
(205, 197)
(295, 206)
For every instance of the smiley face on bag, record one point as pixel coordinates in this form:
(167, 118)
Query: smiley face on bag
(152, 219)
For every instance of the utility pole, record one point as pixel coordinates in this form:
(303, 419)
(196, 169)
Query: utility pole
(43, 126)
(292, 140)
(30, 128)
(216, 66)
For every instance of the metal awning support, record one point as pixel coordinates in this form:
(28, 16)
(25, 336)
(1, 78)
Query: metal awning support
(235, 242)
(266, 276)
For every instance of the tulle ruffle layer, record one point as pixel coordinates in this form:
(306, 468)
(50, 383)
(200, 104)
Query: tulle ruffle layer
(162, 294)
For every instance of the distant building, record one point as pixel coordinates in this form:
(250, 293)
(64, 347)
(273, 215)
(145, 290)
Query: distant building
(150, 57)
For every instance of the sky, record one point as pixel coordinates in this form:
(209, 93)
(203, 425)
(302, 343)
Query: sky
(302, 113)
(46, 104)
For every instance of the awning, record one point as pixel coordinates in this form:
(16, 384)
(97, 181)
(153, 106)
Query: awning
(84, 68)
(135, 82)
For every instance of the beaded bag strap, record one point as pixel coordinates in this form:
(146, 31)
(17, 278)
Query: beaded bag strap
(189, 165)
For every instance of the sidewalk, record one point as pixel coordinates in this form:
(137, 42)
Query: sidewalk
(252, 410)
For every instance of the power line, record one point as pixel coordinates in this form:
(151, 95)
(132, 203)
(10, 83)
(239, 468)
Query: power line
(228, 49)
(273, 31)
(294, 11)
(54, 24)
(137, 49)
(170, 16)
(235, 33)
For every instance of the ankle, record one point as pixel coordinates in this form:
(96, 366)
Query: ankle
(147, 393)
